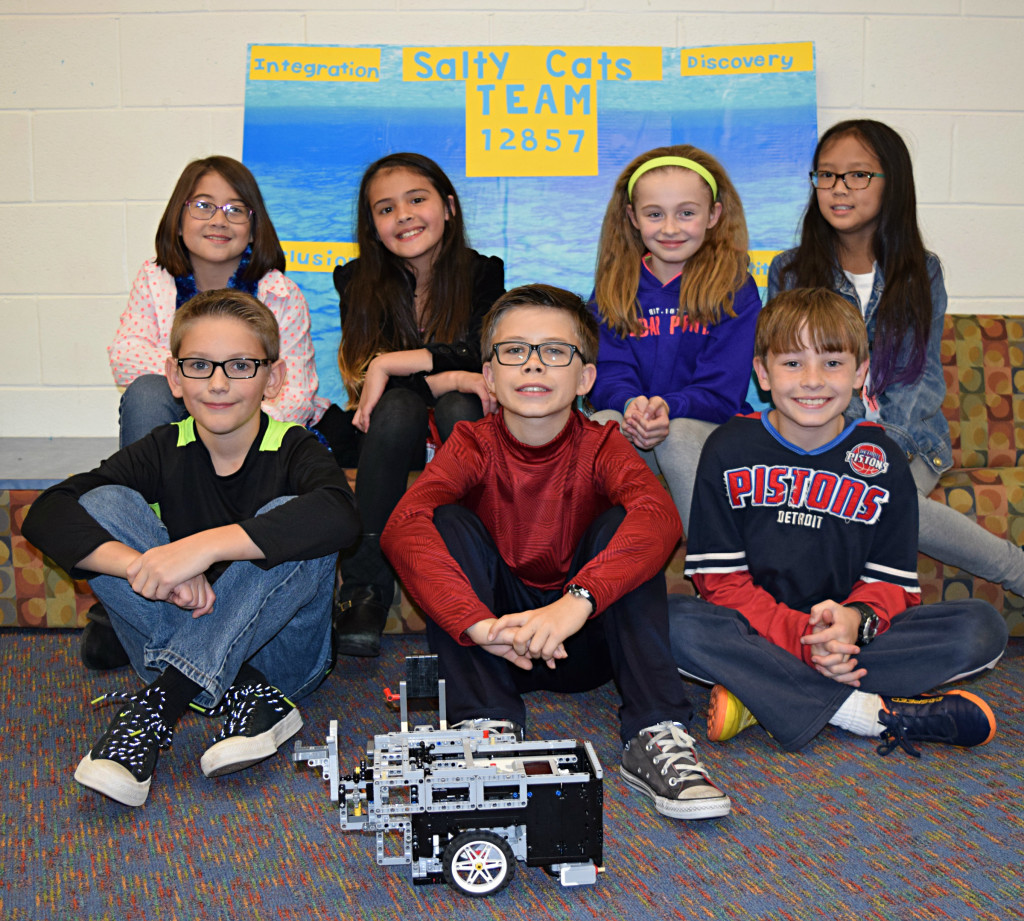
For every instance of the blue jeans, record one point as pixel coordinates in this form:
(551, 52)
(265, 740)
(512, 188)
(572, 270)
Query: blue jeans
(146, 403)
(278, 619)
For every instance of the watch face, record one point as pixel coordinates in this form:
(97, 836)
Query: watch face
(868, 628)
(578, 591)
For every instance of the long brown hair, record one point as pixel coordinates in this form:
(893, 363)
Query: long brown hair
(713, 274)
(381, 310)
(171, 254)
(905, 308)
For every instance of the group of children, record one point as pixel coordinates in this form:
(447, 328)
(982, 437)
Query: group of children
(536, 538)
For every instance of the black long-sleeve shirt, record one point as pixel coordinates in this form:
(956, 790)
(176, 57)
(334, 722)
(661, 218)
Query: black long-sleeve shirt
(171, 468)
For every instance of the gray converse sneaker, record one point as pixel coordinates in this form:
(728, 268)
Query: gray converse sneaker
(492, 726)
(662, 763)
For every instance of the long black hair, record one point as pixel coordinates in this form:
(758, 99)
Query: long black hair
(905, 308)
(381, 310)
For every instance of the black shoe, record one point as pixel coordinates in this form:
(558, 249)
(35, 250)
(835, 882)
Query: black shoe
(955, 718)
(101, 649)
(359, 621)
(259, 720)
(121, 764)
(661, 763)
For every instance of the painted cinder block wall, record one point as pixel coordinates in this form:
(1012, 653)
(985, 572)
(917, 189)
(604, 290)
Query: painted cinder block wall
(103, 102)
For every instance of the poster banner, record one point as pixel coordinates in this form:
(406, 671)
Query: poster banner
(533, 138)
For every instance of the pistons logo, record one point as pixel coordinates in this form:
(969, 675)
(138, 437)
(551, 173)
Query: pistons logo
(867, 459)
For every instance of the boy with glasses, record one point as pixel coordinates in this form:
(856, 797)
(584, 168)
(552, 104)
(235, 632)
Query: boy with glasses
(535, 542)
(211, 543)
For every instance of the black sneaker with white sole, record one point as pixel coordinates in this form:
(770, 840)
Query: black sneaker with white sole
(662, 763)
(121, 764)
(259, 719)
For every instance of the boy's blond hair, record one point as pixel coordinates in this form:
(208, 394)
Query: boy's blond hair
(818, 318)
(229, 302)
(544, 296)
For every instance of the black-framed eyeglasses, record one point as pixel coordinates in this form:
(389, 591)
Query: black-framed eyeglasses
(237, 369)
(203, 210)
(552, 354)
(855, 180)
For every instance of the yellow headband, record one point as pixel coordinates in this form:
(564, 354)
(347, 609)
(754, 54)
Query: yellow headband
(672, 161)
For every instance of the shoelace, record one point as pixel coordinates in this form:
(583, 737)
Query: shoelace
(897, 734)
(126, 740)
(676, 749)
(239, 704)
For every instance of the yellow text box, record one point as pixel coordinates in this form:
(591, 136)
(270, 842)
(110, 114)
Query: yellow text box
(760, 260)
(491, 64)
(531, 110)
(314, 64)
(512, 135)
(721, 60)
(313, 256)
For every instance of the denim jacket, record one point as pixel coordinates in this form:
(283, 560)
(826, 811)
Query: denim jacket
(911, 412)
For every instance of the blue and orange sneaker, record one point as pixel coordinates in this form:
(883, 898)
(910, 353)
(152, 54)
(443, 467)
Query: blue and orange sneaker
(954, 718)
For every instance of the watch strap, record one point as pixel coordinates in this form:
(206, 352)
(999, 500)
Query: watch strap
(580, 592)
(868, 629)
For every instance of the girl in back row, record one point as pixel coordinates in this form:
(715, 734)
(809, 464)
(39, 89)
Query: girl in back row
(677, 310)
(860, 237)
(411, 307)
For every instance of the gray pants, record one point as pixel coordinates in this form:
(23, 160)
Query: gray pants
(925, 646)
(675, 458)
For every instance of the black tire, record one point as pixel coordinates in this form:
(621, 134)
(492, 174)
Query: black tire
(478, 863)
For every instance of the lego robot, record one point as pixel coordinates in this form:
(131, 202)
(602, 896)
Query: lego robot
(463, 805)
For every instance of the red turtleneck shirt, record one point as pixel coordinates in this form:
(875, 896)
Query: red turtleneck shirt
(537, 503)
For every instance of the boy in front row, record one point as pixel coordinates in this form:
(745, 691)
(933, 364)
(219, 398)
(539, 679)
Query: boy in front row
(803, 545)
(534, 541)
(221, 591)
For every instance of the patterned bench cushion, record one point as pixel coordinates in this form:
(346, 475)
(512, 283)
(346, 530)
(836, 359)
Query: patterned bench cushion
(983, 363)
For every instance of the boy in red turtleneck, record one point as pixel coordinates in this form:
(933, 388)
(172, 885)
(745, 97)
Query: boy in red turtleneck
(535, 542)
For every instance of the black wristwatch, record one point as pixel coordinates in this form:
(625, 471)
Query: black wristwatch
(578, 591)
(868, 622)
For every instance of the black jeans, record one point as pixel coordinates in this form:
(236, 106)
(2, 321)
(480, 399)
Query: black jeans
(394, 446)
(627, 642)
(924, 647)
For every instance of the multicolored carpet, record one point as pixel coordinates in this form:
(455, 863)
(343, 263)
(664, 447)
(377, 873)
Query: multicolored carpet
(834, 832)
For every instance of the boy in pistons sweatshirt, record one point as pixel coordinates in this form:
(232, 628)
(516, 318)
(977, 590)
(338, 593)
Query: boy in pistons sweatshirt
(803, 546)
